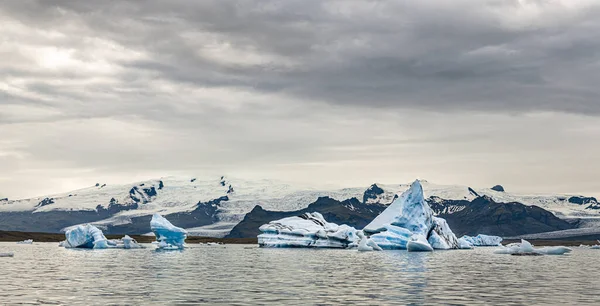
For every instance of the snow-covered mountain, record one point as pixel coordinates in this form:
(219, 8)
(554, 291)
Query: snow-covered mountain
(219, 204)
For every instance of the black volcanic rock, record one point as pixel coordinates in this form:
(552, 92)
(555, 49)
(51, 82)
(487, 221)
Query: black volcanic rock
(498, 188)
(484, 216)
(583, 200)
(351, 212)
(372, 193)
(46, 201)
(473, 192)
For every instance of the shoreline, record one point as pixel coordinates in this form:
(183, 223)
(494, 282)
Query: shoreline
(14, 236)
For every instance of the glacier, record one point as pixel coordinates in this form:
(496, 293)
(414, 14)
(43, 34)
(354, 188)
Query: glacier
(85, 236)
(526, 248)
(482, 240)
(306, 230)
(168, 236)
(409, 219)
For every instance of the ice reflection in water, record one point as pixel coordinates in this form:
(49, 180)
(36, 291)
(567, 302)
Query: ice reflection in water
(45, 273)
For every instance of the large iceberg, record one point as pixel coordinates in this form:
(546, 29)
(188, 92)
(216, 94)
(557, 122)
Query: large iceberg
(85, 236)
(526, 248)
(483, 240)
(410, 219)
(307, 230)
(168, 236)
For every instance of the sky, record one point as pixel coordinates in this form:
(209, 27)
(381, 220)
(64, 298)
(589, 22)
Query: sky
(346, 93)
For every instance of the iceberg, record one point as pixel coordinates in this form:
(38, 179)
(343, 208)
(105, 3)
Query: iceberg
(464, 244)
(441, 236)
(306, 230)
(130, 243)
(410, 219)
(85, 236)
(526, 248)
(418, 243)
(483, 240)
(168, 236)
(366, 244)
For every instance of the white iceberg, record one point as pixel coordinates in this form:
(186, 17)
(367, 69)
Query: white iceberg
(169, 236)
(307, 230)
(28, 241)
(366, 244)
(464, 244)
(526, 248)
(418, 243)
(130, 243)
(483, 240)
(85, 236)
(409, 218)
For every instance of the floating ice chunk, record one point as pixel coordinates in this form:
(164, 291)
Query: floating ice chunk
(307, 230)
(85, 236)
(410, 215)
(409, 211)
(169, 236)
(526, 248)
(464, 244)
(130, 243)
(366, 244)
(28, 241)
(595, 247)
(418, 243)
(393, 237)
(483, 240)
(441, 236)
(557, 250)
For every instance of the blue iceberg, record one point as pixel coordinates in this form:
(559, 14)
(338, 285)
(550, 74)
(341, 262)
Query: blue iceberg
(169, 236)
(409, 219)
(309, 230)
(85, 236)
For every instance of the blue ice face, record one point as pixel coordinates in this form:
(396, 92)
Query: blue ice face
(168, 235)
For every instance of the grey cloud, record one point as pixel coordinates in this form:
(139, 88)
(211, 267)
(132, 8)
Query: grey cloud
(379, 53)
(373, 90)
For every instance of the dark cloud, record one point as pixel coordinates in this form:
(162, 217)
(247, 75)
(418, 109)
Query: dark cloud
(466, 55)
(364, 89)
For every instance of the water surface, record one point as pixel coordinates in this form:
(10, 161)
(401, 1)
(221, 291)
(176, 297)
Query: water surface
(43, 273)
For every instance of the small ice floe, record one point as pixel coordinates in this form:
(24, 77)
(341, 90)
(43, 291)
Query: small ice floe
(464, 244)
(418, 243)
(130, 243)
(28, 241)
(169, 236)
(524, 248)
(7, 254)
(366, 244)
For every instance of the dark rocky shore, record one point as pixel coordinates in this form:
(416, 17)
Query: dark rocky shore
(49, 237)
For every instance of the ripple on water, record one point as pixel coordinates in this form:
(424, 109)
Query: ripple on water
(43, 273)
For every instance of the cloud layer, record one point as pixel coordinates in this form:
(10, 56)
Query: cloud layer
(348, 91)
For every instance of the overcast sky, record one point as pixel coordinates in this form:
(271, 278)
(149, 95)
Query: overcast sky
(473, 92)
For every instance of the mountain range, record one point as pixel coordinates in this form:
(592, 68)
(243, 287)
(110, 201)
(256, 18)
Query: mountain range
(224, 207)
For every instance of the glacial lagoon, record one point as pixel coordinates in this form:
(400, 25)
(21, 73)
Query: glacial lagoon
(43, 273)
